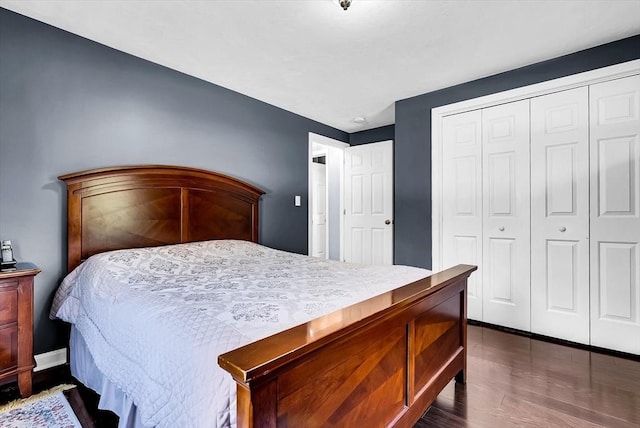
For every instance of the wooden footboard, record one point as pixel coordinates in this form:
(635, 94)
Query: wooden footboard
(380, 362)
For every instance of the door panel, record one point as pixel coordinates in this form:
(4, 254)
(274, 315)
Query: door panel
(462, 200)
(357, 245)
(561, 279)
(464, 189)
(615, 219)
(369, 203)
(617, 281)
(562, 170)
(616, 179)
(377, 246)
(502, 266)
(357, 194)
(502, 181)
(560, 215)
(377, 193)
(505, 224)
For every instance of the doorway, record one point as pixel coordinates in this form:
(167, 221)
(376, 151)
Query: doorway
(350, 214)
(326, 157)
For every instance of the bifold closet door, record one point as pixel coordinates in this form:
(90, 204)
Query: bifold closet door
(560, 215)
(462, 200)
(615, 214)
(506, 220)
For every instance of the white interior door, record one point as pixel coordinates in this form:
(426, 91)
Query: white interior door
(462, 200)
(368, 189)
(506, 220)
(615, 214)
(560, 215)
(319, 209)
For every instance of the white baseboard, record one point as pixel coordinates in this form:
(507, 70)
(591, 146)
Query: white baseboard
(50, 359)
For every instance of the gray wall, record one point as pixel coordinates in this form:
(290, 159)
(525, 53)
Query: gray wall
(413, 137)
(374, 135)
(68, 104)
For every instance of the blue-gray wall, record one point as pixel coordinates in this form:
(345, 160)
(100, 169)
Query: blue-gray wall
(374, 135)
(412, 147)
(68, 104)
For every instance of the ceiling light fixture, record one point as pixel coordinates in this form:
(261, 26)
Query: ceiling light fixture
(345, 4)
(359, 119)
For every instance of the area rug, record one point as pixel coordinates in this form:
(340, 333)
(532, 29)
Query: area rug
(48, 409)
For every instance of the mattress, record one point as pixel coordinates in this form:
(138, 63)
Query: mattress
(155, 319)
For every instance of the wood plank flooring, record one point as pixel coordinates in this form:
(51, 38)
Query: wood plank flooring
(512, 381)
(516, 381)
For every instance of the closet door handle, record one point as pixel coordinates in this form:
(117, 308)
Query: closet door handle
(501, 228)
(563, 229)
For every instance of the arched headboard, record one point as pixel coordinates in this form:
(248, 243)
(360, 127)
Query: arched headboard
(150, 205)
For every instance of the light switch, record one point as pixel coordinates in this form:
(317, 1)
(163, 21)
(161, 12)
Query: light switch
(297, 200)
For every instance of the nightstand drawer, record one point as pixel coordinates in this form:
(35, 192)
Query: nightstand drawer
(16, 326)
(8, 348)
(8, 305)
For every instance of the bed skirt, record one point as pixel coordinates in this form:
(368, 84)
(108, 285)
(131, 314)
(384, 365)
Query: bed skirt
(112, 398)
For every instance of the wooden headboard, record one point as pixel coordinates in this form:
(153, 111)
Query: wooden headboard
(150, 205)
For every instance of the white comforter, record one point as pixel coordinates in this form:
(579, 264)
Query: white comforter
(155, 319)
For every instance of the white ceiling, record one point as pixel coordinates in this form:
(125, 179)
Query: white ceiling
(314, 59)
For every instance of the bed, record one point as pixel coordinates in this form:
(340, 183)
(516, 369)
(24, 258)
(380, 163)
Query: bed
(378, 360)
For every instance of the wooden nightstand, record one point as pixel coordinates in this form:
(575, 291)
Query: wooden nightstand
(16, 326)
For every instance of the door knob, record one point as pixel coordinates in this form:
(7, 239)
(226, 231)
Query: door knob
(387, 221)
(563, 229)
(501, 228)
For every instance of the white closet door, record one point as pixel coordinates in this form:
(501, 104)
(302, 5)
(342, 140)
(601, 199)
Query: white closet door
(615, 214)
(506, 220)
(462, 200)
(560, 215)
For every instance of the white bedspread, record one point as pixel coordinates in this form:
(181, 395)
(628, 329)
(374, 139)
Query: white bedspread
(155, 319)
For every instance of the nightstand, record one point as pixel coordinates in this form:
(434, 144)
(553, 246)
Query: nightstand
(16, 326)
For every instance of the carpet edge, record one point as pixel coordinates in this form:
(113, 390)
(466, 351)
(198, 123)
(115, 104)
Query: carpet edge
(35, 397)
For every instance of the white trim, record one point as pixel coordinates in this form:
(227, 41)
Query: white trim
(50, 359)
(612, 72)
(436, 191)
(325, 141)
(321, 139)
(341, 216)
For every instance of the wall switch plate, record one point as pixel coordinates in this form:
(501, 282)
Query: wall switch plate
(297, 201)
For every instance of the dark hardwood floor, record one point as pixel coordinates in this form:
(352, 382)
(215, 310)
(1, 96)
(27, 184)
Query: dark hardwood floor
(516, 381)
(512, 381)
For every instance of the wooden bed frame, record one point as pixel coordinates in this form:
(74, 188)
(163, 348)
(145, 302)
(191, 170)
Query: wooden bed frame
(380, 362)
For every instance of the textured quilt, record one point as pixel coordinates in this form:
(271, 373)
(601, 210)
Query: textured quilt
(156, 319)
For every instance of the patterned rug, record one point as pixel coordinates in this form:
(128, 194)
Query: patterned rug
(48, 409)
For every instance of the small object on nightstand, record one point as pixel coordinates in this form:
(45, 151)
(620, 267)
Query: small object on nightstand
(6, 257)
(8, 266)
(16, 326)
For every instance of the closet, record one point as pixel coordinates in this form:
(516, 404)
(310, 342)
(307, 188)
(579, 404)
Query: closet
(541, 190)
